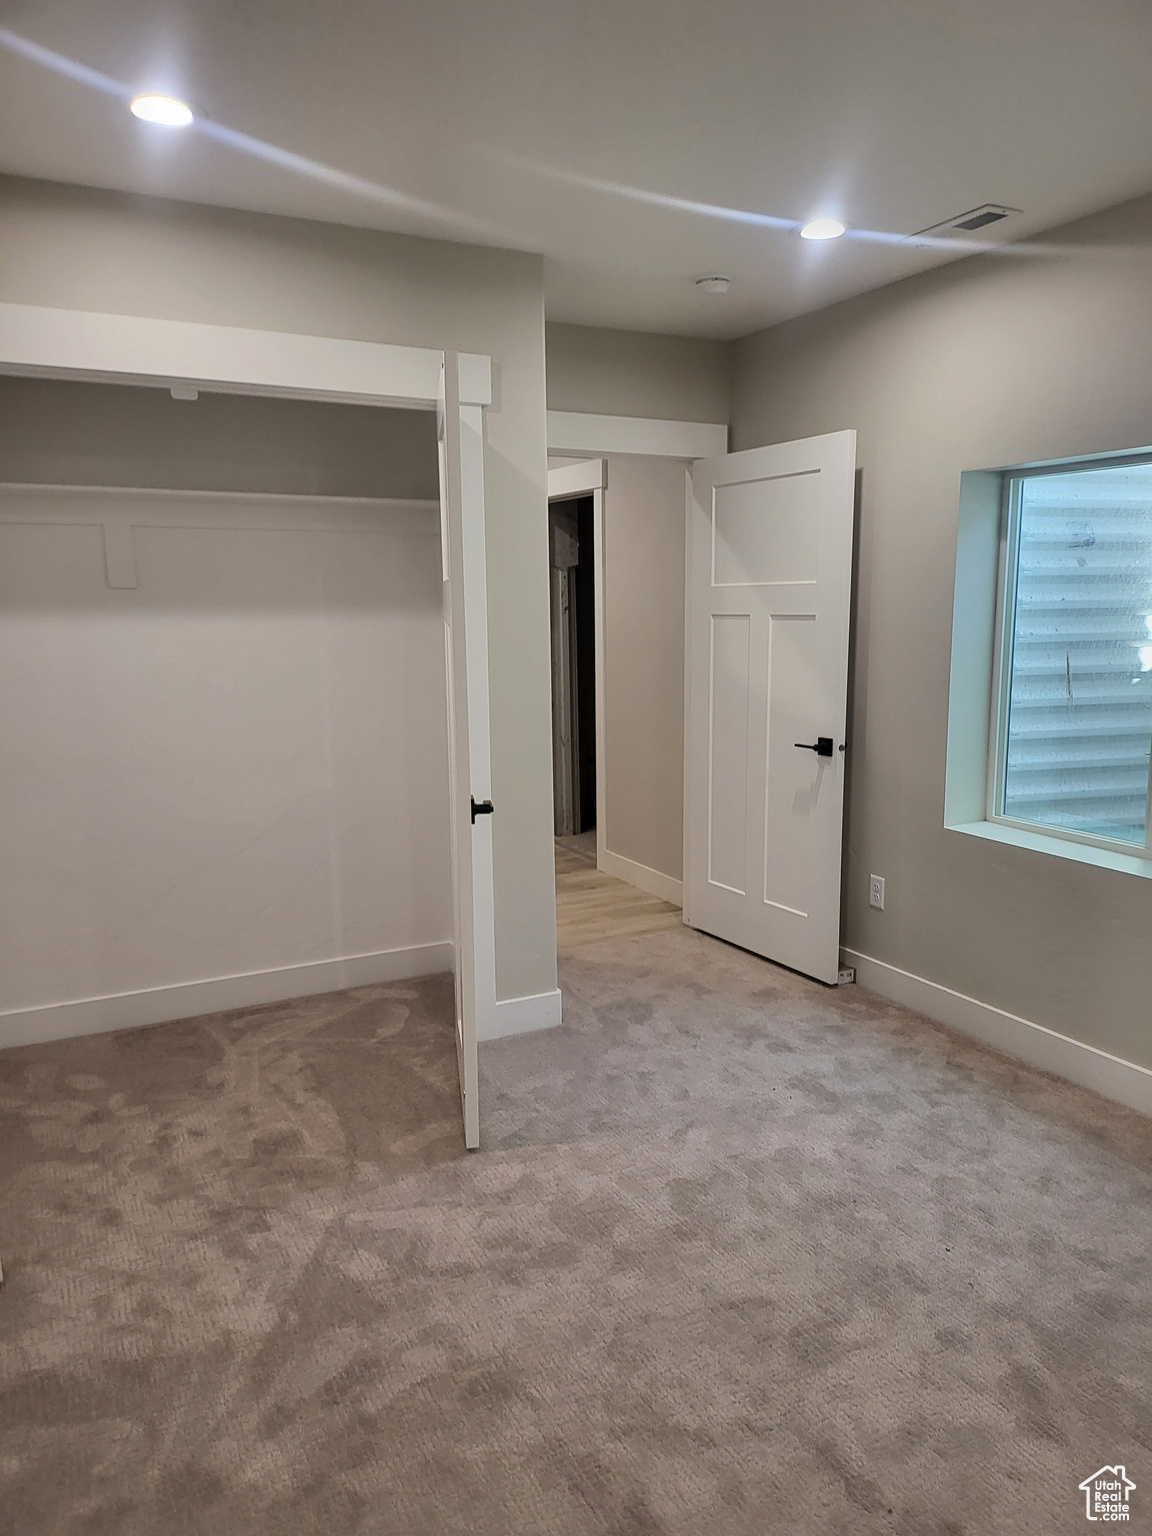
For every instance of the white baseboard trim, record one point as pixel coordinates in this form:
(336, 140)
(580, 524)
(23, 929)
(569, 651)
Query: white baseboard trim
(160, 1005)
(650, 880)
(1041, 1047)
(520, 1015)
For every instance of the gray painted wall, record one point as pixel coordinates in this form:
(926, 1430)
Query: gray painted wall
(644, 661)
(633, 373)
(991, 361)
(77, 248)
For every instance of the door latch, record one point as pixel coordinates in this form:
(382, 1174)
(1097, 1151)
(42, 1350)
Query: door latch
(480, 808)
(822, 746)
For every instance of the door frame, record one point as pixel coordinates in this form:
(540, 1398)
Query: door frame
(580, 434)
(81, 345)
(589, 439)
(36, 342)
(588, 477)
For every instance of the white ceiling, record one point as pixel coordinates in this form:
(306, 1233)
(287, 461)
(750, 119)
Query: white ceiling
(495, 120)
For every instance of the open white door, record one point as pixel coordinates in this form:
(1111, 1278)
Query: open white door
(768, 595)
(461, 437)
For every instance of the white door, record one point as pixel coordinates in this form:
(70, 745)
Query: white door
(461, 437)
(768, 595)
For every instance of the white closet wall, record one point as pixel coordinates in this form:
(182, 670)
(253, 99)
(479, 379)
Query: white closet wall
(235, 768)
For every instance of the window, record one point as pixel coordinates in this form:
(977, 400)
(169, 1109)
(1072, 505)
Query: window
(1072, 732)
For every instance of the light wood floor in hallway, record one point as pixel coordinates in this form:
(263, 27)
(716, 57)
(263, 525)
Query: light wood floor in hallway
(591, 905)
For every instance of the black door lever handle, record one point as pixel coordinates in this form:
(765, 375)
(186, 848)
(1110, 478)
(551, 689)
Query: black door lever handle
(480, 808)
(822, 746)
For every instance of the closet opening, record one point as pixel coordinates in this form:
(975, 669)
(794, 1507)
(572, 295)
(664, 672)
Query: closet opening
(234, 699)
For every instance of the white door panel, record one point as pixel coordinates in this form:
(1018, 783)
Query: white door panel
(466, 670)
(728, 769)
(769, 590)
(766, 531)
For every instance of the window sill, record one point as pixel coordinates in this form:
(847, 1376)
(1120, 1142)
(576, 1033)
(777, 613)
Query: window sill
(1040, 842)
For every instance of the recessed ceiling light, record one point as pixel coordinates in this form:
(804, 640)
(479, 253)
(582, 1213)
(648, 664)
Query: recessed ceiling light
(714, 284)
(162, 109)
(822, 229)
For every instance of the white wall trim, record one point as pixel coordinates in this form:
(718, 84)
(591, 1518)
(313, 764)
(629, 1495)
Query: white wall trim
(160, 1005)
(276, 511)
(686, 855)
(79, 344)
(1039, 1046)
(600, 650)
(578, 432)
(580, 479)
(651, 880)
(521, 1015)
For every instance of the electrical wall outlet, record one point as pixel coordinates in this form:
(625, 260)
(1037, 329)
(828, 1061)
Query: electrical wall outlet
(847, 976)
(876, 892)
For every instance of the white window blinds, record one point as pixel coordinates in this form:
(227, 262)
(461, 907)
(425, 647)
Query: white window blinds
(1079, 627)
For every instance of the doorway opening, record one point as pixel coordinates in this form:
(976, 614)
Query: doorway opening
(572, 557)
(592, 901)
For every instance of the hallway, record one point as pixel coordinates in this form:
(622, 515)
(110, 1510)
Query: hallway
(591, 905)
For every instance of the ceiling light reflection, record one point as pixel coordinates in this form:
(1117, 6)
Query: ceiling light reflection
(822, 229)
(165, 110)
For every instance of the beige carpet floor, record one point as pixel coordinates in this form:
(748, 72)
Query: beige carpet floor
(741, 1256)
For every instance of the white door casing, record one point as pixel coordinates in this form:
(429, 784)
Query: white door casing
(768, 597)
(461, 442)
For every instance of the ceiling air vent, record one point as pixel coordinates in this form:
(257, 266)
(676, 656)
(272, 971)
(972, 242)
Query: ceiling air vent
(974, 222)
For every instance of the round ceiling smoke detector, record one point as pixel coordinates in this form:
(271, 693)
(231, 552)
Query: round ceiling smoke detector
(714, 284)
